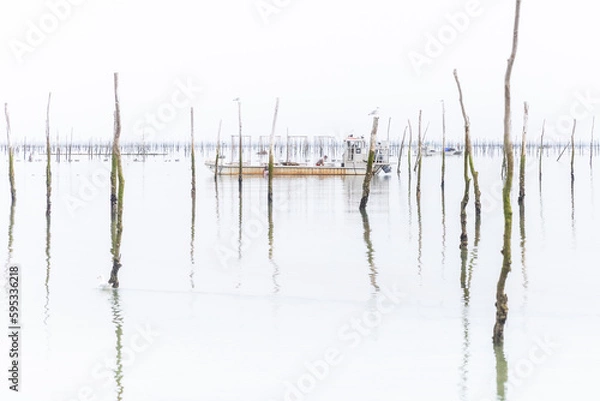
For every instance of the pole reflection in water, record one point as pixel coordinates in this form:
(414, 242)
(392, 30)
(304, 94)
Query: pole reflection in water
(192, 238)
(573, 232)
(270, 234)
(117, 314)
(370, 252)
(523, 258)
(420, 241)
(501, 372)
(239, 283)
(443, 231)
(47, 282)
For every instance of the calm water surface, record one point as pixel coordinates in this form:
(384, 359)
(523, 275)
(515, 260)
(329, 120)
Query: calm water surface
(312, 301)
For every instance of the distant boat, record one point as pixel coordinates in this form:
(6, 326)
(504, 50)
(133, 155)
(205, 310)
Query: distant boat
(448, 151)
(354, 162)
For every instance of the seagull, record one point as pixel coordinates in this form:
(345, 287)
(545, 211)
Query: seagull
(374, 112)
(102, 284)
(237, 99)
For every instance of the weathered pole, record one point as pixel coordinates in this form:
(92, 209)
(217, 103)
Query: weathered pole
(501, 297)
(11, 158)
(541, 150)
(369, 173)
(193, 154)
(443, 145)
(271, 153)
(239, 102)
(465, 199)
(523, 156)
(218, 150)
(401, 150)
(118, 184)
(48, 161)
(592, 141)
(419, 158)
(573, 151)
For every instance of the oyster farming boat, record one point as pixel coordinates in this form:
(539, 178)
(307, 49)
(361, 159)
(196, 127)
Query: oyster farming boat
(354, 162)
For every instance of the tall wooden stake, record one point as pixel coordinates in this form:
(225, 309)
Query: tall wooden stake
(193, 154)
(443, 145)
(541, 150)
(592, 141)
(117, 191)
(523, 156)
(573, 151)
(48, 161)
(369, 173)
(501, 297)
(419, 158)
(271, 153)
(401, 150)
(11, 158)
(239, 102)
(217, 157)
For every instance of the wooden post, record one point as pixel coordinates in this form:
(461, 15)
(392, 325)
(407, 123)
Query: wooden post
(501, 297)
(193, 154)
(239, 102)
(369, 173)
(409, 151)
(11, 158)
(401, 150)
(573, 151)
(541, 150)
(419, 158)
(118, 185)
(523, 156)
(218, 150)
(271, 153)
(443, 145)
(48, 161)
(592, 141)
(469, 151)
(465, 199)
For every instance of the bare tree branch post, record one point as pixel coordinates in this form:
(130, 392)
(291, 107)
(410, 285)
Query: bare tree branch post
(193, 154)
(501, 297)
(419, 158)
(464, 238)
(401, 150)
(118, 186)
(443, 145)
(239, 102)
(218, 150)
(11, 158)
(48, 161)
(272, 153)
(541, 150)
(369, 173)
(522, 160)
(573, 151)
(592, 141)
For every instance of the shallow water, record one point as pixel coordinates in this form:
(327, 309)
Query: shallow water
(314, 301)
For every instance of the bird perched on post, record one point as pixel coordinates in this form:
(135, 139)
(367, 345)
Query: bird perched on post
(375, 112)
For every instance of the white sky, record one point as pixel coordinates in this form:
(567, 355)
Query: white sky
(330, 61)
